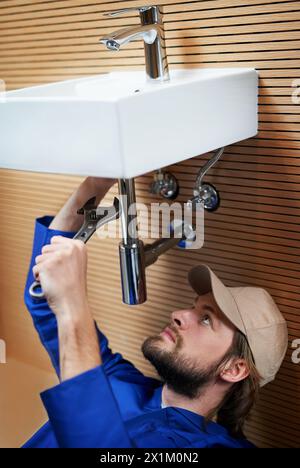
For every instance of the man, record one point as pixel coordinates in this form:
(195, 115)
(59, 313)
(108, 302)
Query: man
(211, 357)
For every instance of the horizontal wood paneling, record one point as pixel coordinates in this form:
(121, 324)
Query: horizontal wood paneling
(254, 237)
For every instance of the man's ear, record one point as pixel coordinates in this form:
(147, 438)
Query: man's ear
(235, 371)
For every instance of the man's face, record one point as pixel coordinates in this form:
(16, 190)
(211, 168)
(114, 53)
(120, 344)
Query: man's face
(187, 353)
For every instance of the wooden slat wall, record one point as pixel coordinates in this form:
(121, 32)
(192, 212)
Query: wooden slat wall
(253, 238)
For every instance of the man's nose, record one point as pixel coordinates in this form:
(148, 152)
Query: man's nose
(183, 319)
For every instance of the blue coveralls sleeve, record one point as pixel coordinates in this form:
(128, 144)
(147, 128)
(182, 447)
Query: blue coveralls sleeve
(44, 319)
(84, 413)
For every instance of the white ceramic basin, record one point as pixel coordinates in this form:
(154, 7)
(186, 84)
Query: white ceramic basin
(120, 125)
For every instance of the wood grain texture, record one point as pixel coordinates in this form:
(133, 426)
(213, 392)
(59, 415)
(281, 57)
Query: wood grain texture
(254, 237)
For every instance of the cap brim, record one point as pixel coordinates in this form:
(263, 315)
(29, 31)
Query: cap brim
(203, 280)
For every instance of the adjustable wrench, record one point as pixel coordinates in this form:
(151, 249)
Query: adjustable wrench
(94, 218)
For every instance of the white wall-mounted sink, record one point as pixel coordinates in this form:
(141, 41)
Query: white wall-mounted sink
(119, 125)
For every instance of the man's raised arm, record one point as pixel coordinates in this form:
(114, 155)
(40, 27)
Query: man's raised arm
(65, 224)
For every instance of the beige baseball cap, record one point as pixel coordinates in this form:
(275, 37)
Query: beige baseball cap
(253, 311)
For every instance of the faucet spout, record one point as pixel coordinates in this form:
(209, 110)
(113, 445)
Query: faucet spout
(151, 30)
(121, 37)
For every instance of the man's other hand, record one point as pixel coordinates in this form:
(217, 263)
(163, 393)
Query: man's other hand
(62, 270)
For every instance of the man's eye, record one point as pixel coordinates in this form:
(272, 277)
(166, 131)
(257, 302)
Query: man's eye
(206, 320)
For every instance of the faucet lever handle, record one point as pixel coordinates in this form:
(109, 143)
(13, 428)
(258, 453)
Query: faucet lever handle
(128, 10)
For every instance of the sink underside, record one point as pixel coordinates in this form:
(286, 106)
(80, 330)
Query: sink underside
(119, 125)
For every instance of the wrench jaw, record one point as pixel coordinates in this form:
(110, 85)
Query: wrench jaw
(106, 215)
(90, 220)
(94, 218)
(88, 206)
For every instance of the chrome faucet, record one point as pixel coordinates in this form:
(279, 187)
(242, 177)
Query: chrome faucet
(151, 31)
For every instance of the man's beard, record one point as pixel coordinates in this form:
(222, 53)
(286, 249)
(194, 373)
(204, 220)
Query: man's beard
(180, 373)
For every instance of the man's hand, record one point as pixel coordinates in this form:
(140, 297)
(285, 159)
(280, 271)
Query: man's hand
(62, 271)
